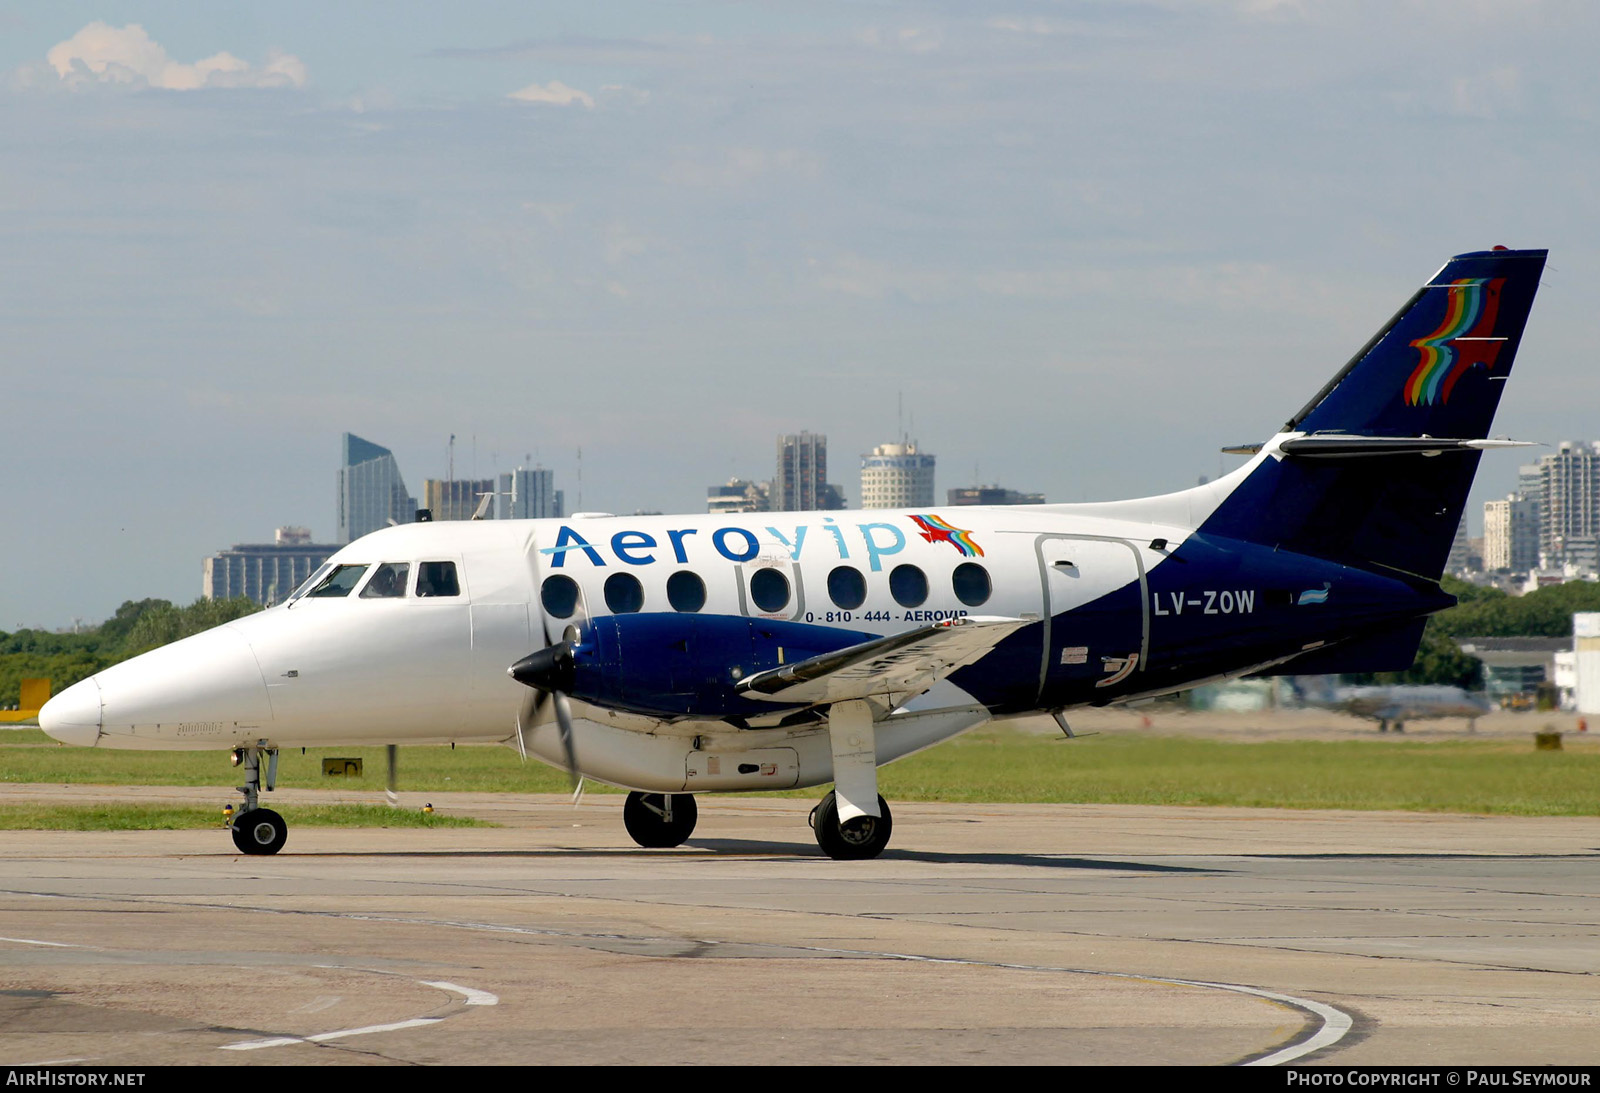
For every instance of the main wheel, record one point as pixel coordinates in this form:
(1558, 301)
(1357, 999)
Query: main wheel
(644, 815)
(854, 840)
(261, 831)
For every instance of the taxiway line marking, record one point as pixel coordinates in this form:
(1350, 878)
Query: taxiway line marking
(320, 1037)
(474, 996)
(52, 944)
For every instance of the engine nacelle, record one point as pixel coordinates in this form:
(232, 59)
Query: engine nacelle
(678, 665)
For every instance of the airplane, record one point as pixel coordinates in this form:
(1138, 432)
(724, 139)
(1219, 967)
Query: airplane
(673, 656)
(1396, 704)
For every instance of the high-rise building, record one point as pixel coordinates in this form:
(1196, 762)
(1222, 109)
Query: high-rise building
(801, 483)
(372, 494)
(456, 499)
(896, 476)
(529, 495)
(265, 572)
(1459, 559)
(1569, 499)
(991, 495)
(739, 495)
(1511, 535)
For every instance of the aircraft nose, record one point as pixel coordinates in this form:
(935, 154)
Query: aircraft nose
(73, 716)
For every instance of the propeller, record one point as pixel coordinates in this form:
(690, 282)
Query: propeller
(549, 675)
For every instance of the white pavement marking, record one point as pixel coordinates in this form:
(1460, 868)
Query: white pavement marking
(52, 944)
(1335, 1023)
(474, 997)
(284, 1041)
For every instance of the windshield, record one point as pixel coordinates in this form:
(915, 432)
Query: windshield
(310, 582)
(337, 583)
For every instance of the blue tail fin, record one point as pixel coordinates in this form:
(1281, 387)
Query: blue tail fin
(1434, 370)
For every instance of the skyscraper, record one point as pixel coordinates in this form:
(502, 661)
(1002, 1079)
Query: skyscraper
(1511, 535)
(1569, 498)
(371, 491)
(456, 499)
(529, 495)
(896, 476)
(801, 483)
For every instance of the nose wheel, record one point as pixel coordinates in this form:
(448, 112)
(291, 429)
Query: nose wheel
(660, 820)
(257, 830)
(856, 839)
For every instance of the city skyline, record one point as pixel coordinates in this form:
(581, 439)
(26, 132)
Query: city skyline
(1090, 244)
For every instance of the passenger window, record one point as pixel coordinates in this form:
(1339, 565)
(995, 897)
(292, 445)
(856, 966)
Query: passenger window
(686, 591)
(624, 593)
(437, 579)
(769, 588)
(908, 585)
(971, 584)
(559, 594)
(847, 588)
(338, 583)
(388, 583)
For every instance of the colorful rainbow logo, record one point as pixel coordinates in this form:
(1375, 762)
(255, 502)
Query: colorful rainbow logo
(1469, 314)
(936, 530)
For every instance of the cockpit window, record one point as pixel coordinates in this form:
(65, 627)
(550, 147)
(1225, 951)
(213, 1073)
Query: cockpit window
(388, 582)
(311, 581)
(337, 583)
(437, 579)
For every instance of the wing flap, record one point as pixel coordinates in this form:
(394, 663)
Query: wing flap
(902, 665)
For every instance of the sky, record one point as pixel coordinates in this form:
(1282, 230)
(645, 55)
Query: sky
(1084, 244)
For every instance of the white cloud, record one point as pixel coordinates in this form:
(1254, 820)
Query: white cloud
(100, 53)
(555, 93)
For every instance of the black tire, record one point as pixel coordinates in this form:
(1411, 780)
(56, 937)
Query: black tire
(641, 815)
(260, 832)
(861, 838)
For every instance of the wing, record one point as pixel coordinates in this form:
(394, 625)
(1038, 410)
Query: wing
(899, 666)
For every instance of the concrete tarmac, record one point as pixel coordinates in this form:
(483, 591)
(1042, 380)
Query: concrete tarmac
(987, 934)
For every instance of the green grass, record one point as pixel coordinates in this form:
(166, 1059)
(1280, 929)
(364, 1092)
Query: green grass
(128, 817)
(31, 756)
(1494, 775)
(1490, 776)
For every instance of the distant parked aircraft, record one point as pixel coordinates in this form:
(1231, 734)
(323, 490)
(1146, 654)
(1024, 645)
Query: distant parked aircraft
(1393, 706)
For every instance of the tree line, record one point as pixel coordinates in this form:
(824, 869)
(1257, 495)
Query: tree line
(138, 626)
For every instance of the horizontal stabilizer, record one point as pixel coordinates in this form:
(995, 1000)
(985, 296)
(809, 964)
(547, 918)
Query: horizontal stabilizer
(900, 665)
(1324, 446)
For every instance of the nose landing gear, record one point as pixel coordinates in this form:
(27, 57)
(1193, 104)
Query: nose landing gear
(257, 830)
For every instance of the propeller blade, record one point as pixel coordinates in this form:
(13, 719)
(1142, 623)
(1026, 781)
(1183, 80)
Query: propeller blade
(527, 718)
(564, 720)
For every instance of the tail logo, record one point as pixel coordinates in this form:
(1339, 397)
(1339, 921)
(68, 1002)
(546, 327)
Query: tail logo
(1463, 338)
(936, 530)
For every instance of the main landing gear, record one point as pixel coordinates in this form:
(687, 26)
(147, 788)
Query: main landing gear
(855, 839)
(659, 820)
(852, 823)
(257, 830)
